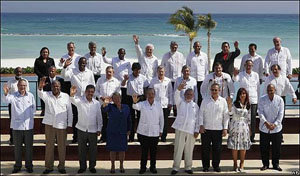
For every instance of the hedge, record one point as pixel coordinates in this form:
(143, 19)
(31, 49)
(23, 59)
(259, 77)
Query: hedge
(27, 70)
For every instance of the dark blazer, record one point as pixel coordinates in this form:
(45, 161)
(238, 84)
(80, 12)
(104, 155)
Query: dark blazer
(47, 87)
(41, 68)
(228, 65)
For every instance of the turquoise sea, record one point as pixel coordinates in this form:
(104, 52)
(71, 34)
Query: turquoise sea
(24, 34)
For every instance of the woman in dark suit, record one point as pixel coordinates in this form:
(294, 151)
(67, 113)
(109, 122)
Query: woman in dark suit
(118, 129)
(41, 67)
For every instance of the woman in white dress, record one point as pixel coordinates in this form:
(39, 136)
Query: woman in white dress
(239, 131)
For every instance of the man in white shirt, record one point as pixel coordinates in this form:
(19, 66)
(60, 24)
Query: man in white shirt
(88, 126)
(136, 83)
(279, 55)
(13, 87)
(79, 77)
(121, 67)
(149, 129)
(94, 60)
(270, 110)
(186, 129)
(249, 80)
(223, 79)
(198, 62)
(58, 116)
(147, 60)
(105, 88)
(163, 94)
(258, 66)
(73, 59)
(213, 122)
(22, 113)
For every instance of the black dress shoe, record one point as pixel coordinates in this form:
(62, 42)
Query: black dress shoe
(74, 141)
(131, 140)
(122, 170)
(11, 141)
(42, 113)
(15, 171)
(205, 170)
(101, 141)
(163, 140)
(217, 169)
(174, 172)
(80, 171)
(264, 168)
(189, 171)
(93, 170)
(62, 171)
(277, 168)
(153, 170)
(47, 171)
(29, 170)
(142, 171)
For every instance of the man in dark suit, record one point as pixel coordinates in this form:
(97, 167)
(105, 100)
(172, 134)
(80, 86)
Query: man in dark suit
(226, 58)
(52, 77)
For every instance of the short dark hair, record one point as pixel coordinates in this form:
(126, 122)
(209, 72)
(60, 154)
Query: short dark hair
(90, 86)
(276, 65)
(136, 66)
(80, 59)
(185, 67)
(224, 43)
(253, 44)
(217, 64)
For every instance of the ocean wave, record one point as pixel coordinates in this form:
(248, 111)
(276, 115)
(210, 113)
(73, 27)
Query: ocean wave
(93, 35)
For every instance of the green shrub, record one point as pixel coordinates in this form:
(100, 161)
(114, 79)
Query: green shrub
(296, 70)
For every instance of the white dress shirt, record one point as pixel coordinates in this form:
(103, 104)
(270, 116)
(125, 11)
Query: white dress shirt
(78, 78)
(105, 87)
(152, 118)
(198, 65)
(22, 110)
(213, 114)
(89, 114)
(258, 66)
(148, 64)
(58, 110)
(282, 85)
(121, 67)
(187, 119)
(173, 63)
(74, 61)
(163, 91)
(225, 82)
(13, 85)
(251, 83)
(191, 83)
(94, 63)
(282, 58)
(270, 111)
(136, 85)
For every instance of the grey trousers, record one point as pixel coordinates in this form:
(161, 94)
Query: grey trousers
(20, 137)
(85, 138)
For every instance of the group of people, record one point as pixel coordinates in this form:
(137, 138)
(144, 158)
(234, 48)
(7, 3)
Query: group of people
(138, 98)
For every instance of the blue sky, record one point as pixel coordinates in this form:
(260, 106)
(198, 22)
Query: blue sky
(264, 7)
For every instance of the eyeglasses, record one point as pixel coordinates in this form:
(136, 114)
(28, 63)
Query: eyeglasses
(213, 89)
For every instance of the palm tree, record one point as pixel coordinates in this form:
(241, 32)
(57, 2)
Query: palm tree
(207, 23)
(185, 20)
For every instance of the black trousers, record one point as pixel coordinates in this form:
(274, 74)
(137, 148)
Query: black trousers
(96, 77)
(10, 129)
(283, 120)
(253, 120)
(213, 137)
(199, 83)
(133, 112)
(265, 139)
(42, 105)
(124, 95)
(166, 112)
(75, 120)
(105, 121)
(148, 144)
(66, 87)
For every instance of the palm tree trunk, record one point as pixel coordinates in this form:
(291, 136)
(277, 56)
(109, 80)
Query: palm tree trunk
(208, 49)
(191, 45)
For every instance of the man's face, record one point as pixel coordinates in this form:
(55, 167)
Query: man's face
(22, 85)
(275, 71)
(121, 54)
(55, 88)
(248, 66)
(252, 50)
(150, 94)
(189, 95)
(161, 72)
(71, 48)
(45, 53)
(109, 73)
(52, 72)
(89, 93)
(149, 51)
(197, 47)
(82, 64)
(277, 43)
(116, 99)
(215, 90)
(18, 72)
(93, 49)
(218, 69)
(173, 48)
(136, 72)
(186, 72)
(271, 91)
(225, 48)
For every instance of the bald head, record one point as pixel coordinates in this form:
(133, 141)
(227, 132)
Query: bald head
(277, 43)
